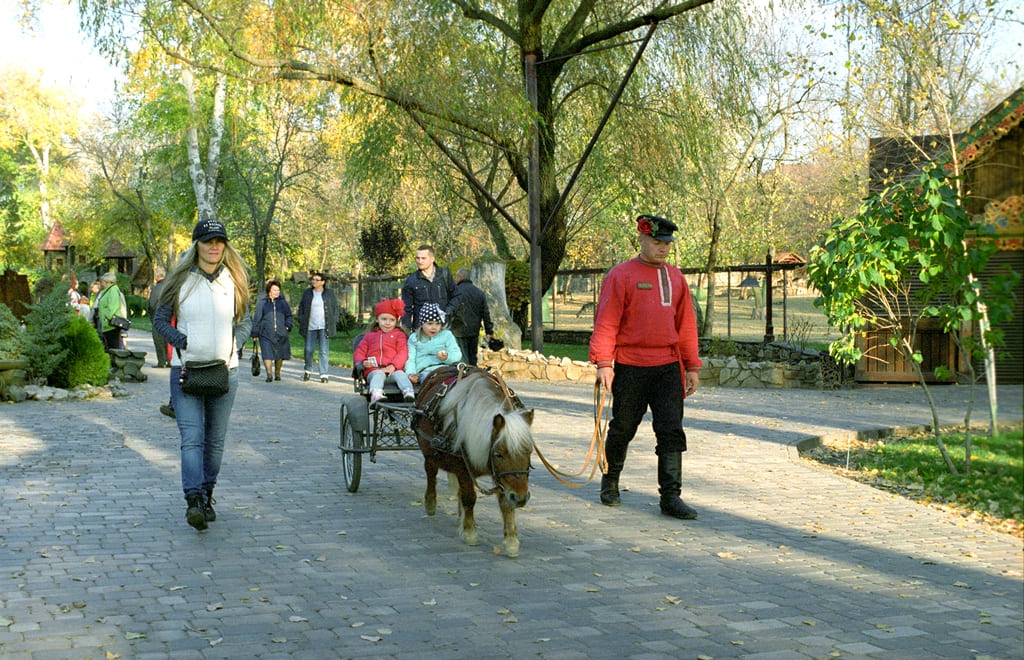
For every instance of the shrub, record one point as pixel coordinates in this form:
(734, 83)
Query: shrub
(85, 361)
(346, 321)
(45, 325)
(137, 305)
(10, 334)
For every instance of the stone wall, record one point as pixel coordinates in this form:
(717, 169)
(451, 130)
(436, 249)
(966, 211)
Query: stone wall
(126, 366)
(752, 364)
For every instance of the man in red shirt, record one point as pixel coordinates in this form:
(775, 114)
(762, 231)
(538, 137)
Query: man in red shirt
(645, 348)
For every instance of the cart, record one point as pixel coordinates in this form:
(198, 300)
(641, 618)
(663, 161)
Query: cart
(366, 429)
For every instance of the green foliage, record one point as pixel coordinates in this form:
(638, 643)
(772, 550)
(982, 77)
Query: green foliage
(46, 325)
(85, 360)
(346, 321)
(722, 348)
(137, 305)
(517, 291)
(910, 253)
(10, 334)
(382, 243)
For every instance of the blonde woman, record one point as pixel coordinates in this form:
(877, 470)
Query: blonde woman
(207, 297)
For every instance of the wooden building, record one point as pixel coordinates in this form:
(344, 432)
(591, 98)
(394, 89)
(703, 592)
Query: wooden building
(991, 155)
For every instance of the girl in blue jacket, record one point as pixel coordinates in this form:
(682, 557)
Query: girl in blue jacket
(431, 346)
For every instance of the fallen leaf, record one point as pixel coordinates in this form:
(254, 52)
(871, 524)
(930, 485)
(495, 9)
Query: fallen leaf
(384, 631)
(213, 607)
(178, 587)
(215, 642)
(504, 611)
(357, 624)
(370, 638)
(279, 640)
(673, 600)
(4, 621)
(728, 555)
(113, 656)
(134, 635)
(321, 558)
(510, 619)
(736, 643)
(297, 619)
(430, 602)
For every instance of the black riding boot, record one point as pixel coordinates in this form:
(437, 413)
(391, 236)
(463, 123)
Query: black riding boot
(615, 457)
(670, 483)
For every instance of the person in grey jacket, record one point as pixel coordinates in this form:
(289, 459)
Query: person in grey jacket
(472, 310)
(318, 322)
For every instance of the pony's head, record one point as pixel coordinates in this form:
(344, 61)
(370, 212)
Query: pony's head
(511, 447)
(493, 432)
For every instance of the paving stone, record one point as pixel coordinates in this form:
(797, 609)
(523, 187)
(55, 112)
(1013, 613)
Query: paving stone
(93, 513)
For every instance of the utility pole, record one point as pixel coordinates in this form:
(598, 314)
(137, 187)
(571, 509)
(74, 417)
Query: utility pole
(533, 195)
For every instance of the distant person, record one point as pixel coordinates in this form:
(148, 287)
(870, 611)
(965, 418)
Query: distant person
(431, 346)
(429, 283)
(109, 303)
(318, 322)
(645, 348)
(163, 360)
(471, 311)
(384, 351)
(207, 294)
(271, 324)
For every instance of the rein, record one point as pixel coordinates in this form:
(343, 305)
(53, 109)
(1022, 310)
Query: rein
(595, 454)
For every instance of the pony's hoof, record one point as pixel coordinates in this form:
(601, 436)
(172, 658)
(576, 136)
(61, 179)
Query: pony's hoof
(430, 506)
(512, 548)
(470, 538)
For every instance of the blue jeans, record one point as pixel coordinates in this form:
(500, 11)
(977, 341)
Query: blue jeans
(203, 423)
(317, 339)
(377, 378)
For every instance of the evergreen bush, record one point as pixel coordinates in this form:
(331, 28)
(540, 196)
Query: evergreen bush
(45, 325)
(10, 334)
(85, 361)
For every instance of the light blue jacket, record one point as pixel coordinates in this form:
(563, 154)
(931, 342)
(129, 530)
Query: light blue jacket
(423, 352)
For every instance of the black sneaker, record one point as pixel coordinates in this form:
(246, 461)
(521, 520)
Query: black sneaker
(208, 511)
(168, 410)
(323, 379)
(305, 376)
(195, 514)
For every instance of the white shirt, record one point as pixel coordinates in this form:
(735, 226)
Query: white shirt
(317, 319)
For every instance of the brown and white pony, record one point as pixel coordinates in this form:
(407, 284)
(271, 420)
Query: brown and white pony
(472, 425)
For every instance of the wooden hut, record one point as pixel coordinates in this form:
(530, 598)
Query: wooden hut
(991, 155)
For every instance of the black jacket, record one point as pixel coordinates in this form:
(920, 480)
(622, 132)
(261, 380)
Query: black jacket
(418, 291)
(331, 311)
(472, 309)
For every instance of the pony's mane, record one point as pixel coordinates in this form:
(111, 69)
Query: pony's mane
(466, 415)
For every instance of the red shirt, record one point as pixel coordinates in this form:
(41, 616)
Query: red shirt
(645, 318)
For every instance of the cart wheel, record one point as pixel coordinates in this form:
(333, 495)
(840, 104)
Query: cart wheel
(354, 428)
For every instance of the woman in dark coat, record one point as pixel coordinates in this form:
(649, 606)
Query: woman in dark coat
(271, 324)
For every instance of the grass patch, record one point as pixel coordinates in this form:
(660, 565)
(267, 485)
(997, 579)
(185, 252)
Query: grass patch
(572, 351)
(993, 491)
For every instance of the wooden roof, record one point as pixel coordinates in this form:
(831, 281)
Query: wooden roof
(57, 239)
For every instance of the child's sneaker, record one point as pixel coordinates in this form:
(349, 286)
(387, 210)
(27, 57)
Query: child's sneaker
(376, 396)
(408, 395)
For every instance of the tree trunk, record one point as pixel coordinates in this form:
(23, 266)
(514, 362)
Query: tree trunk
(714, 219)
(490, 277)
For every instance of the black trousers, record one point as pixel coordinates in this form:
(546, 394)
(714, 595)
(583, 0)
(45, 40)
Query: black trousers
(468, 346)
(634, 390)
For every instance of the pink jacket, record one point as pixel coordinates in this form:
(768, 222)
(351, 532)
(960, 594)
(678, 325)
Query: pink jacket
(387, 348)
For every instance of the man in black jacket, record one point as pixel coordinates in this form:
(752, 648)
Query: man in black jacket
(430, 283)
(472, 309)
